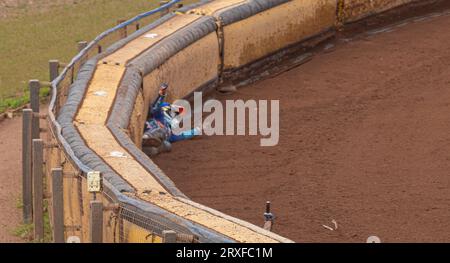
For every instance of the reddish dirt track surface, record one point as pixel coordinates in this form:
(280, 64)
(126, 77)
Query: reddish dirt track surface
(364, 140)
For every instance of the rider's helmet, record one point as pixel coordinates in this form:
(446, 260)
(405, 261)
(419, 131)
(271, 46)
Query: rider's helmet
(176, 109)
(171, 110)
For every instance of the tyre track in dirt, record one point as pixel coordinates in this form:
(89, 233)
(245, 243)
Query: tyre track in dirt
(364, 140)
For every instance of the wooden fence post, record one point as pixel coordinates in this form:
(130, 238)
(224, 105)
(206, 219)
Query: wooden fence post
(27, 183)
(58, 205)
(165, 11)
(35, 87)
(96, 221)
(38, 191)
(82, 45)
(53, 69)
(123, 31)
(169, 236)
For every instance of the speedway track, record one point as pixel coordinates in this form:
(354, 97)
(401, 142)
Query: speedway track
(364, 140)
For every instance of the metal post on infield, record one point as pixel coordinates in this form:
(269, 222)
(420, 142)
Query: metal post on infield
(268, 217)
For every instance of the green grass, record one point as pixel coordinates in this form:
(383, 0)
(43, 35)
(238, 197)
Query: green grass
(20, 100)
(30, 39)
(19, 203)
(26, 231)
(14, 102)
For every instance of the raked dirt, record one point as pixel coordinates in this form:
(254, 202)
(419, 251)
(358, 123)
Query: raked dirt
(364, 141)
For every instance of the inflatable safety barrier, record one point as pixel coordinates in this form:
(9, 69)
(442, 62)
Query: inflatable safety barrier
(100, 103)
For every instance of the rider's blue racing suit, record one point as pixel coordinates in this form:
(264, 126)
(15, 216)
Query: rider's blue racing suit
(159, 126)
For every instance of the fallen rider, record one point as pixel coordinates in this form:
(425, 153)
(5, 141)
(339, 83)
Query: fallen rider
(158, 134)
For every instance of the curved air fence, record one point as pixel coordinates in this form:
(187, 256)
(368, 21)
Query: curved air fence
(100, 103)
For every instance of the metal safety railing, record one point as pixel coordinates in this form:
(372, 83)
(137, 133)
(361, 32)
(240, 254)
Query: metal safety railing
(53, 175)
(61, 83)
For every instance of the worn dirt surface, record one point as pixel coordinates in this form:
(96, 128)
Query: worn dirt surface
(364, 140)
(10, 178)
(11, 8)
